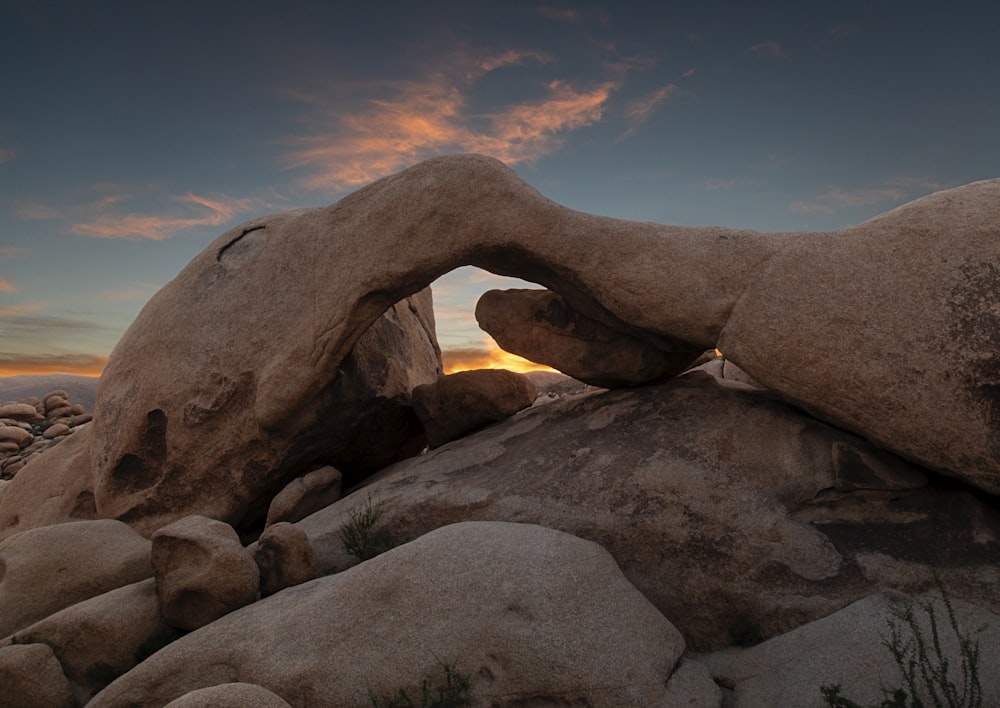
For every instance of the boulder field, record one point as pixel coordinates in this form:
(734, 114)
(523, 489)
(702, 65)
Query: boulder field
(283, 501)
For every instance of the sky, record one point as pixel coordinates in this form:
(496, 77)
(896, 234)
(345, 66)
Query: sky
(133, 133)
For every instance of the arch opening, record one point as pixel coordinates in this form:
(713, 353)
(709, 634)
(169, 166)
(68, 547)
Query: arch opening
(463, 344)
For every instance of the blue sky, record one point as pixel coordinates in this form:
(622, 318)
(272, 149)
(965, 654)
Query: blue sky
(134, 133)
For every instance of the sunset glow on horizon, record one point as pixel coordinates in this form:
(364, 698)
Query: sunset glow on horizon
(491, 358)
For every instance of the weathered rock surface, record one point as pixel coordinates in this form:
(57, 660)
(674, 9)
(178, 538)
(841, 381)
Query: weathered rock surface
(50, 568)
(692, 686)
(304, 495)
(31, 677)
(161, 440)
(905, 297)
(99, 639)
(847, 648)
(539, 326)
(202, 571)
(736, 515)
(459, 403)
(230, 695)
(533, 615)
(52, 489)
(285, 558)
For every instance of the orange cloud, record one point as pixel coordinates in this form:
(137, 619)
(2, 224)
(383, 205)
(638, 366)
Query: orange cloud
(6, 286)
(492, 357)
(512, 57)
(31, 211)
(432, 117)
(80, 364)
(7, 155)
(641, 109)
(220, 209)
(16, 310)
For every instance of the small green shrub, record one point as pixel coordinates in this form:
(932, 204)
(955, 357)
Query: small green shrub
(361, 535)
(451, 692)
(923, 664)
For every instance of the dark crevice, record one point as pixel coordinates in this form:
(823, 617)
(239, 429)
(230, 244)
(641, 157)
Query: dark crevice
(249, 229)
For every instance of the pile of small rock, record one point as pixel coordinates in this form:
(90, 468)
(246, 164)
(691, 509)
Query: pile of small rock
(32, 425)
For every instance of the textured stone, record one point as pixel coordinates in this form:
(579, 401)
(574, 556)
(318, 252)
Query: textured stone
(101, 638)
(304, 495)
(202, 571)
(720, 504)
(31, 678)
(71, 561)
(841, 323)
(230, 695)
(538, 325)
(847, 648)
(18, 411)
(161, 438)
(521, 610)
(285, 558)
(467, 400)
(15, 434)
(56, 431)
(53, 488)
(692, 686)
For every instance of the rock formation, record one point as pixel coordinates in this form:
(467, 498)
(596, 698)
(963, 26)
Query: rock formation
(162, 440)
(718, 530)
(904, 297)
(527, 611)
(32, 425)
(465, 401)
(202, 571)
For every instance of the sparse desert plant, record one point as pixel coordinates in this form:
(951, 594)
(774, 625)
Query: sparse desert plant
(451, 692)
(921, 659)
(361, 535)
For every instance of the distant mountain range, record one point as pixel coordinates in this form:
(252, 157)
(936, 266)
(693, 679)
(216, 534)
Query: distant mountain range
(81, 389)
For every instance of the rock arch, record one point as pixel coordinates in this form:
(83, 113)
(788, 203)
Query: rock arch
(268, 312)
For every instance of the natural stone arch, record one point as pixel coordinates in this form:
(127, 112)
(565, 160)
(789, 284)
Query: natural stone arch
(320, 277)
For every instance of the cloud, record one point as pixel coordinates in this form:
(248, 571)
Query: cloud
(31, 342)
(17, 310)
(214, 211)
(512, 58)
(836, 198)
(31, 211)
(767, 49)
(142, 292)
(430, 117)
(641, 109)
(12, 364)
(6, 286)
(7, 154)
(7, 252)
(716, 185)
(560, 14)
(688, 74)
